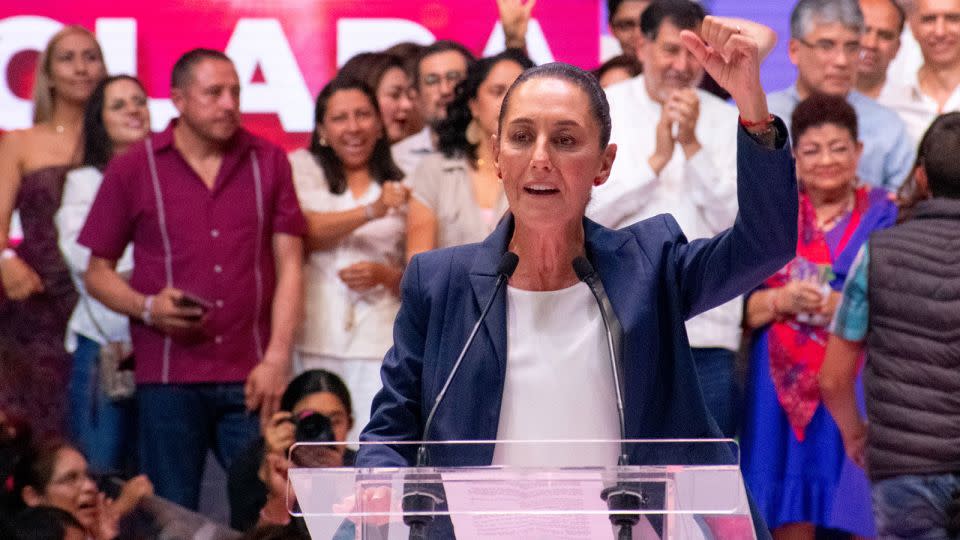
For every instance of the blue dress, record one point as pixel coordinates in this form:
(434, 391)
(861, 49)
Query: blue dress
(810, 481)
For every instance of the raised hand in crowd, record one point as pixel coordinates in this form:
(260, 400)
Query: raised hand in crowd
(109, 511)
(732, 58)
(515, 16)
(19, 280)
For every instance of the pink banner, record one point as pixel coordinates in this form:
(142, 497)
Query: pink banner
(284, 50)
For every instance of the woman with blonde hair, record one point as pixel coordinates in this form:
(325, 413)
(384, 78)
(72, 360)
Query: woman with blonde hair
(38, 295)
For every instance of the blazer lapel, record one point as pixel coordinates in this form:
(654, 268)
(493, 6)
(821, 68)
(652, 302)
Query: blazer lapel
(483, 277)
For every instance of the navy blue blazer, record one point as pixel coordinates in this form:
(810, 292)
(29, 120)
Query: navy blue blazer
(656, 280)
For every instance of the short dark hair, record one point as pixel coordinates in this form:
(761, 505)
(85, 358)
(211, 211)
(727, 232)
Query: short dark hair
(437, 47)
(599, 107)
(382, 166)
(821, 109)
(937, 154)
(622, 61)
(97, 146)
(901, 15)
(409, 53)
(183, 68)
(614, 5)
(370, 67)
(452, 130)
(314, 381)
(684, 14)
(40, 523)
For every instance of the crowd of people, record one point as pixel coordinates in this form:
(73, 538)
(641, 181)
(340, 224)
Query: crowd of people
(198, 289)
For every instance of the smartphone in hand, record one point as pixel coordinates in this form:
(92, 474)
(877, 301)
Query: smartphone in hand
(188, 300)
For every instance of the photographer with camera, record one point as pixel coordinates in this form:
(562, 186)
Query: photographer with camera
(315, 407)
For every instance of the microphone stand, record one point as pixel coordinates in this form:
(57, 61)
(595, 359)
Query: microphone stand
(420, 498)
(624, 499)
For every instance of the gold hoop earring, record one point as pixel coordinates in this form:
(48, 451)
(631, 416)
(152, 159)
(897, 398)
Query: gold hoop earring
(473, 134)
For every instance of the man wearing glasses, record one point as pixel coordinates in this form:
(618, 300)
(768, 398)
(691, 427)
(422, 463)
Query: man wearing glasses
(625, 23)
(440, 67)
(825, 47)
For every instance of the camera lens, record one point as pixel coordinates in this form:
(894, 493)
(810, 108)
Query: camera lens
(314, 427)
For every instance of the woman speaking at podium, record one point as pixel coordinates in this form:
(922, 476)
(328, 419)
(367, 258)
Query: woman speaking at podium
(538, 368)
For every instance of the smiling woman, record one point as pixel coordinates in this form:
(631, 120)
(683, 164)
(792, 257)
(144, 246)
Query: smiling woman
(806, 481)
(101, 420)
(349, 189)
(55, 474)
(540, 370)
(38, 295)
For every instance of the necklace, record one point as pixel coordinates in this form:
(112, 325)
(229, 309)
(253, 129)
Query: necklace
(828, 223)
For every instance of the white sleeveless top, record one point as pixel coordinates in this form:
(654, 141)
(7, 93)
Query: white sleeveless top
(559, 384)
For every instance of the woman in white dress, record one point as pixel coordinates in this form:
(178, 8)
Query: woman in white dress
(349, 189)
(101, 424)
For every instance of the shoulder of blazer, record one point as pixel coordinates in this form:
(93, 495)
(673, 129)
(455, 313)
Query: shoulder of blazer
(438, 266)
(653, 233)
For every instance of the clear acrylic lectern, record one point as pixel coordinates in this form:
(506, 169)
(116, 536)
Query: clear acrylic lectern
(677, 489)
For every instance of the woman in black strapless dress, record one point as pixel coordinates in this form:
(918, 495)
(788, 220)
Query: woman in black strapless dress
(38, 295)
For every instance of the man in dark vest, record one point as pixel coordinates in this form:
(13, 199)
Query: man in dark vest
(901, 304)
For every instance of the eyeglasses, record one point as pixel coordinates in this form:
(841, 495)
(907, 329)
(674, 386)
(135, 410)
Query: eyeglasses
(626, 25)
(813, 152)
(452, 77)
(72, 479)
(829, 47)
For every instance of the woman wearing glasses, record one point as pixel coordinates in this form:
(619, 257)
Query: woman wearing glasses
(55, 474)
(793, 457)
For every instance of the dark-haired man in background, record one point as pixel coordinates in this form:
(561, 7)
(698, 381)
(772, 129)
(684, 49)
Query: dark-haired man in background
(678, 154)
(440, 67)
(901, 304)
(882, 25)
(214, 295)
(624, 21)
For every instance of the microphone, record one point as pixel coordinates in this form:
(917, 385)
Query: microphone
(421, 498)
(623, 496)
(611, 324)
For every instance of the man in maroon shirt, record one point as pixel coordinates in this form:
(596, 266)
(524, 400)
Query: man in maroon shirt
(214, 297)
